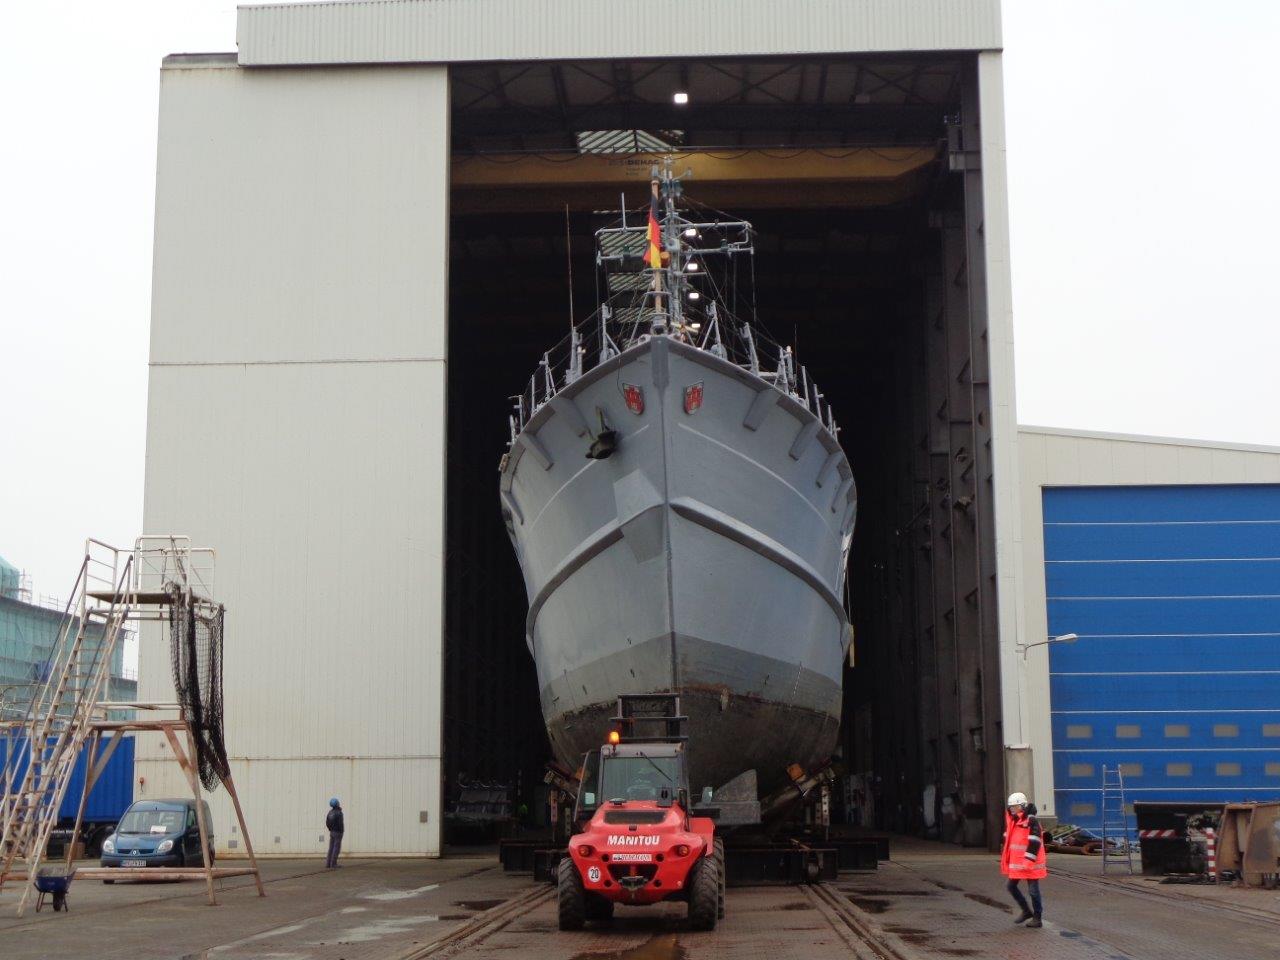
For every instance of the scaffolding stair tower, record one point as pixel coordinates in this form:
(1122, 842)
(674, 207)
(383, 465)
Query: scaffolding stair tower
(71, 709)
(58, 719)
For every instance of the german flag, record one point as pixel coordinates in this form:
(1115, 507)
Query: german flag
(653, 254)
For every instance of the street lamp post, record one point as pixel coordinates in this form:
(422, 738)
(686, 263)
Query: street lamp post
(1065, 638)
(1018, 757)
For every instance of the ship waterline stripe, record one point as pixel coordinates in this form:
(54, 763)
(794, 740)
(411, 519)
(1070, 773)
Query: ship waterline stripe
(755, 541)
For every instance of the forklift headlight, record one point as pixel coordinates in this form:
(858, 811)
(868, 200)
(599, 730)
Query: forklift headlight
(682, 850)
(586, 850)
(165, 846)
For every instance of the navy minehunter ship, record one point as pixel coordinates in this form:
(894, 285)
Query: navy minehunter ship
(681, 507)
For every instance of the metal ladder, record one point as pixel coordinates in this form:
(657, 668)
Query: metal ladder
(1116, 846)
(58, 720)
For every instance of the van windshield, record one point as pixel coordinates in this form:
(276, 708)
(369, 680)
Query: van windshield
(151, 821)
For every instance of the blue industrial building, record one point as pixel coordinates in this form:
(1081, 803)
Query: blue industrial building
(1174, 592)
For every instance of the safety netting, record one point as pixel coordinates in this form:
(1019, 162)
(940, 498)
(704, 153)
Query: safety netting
(195, 653)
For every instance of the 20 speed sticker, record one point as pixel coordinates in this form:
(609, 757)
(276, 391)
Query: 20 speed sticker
(593, 874)
(632, 858)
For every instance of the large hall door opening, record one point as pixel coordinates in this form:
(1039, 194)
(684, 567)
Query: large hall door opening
(868, 262)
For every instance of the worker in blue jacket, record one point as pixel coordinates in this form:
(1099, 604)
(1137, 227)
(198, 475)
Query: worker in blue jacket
(333, 822)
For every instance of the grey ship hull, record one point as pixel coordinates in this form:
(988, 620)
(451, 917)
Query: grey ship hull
(706, 555)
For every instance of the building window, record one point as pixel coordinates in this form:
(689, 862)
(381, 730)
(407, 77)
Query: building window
(1079, 731)
(1273, 769)
(1083, 810)
(1226, 730)
(1228, 769)
(1177, 769)
(1131, 769)
(1271, 729)
(1128, 731)
(1177, 730)
(1081, 770)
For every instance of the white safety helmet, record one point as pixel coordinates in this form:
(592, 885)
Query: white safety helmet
(1017, 800)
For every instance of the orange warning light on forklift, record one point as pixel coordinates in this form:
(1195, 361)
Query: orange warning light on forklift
(615, 737)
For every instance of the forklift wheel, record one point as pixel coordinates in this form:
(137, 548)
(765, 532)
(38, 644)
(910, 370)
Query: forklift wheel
(570, 895)
(704, 894)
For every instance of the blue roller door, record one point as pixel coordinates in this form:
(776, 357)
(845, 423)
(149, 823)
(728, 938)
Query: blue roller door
(1175, 594)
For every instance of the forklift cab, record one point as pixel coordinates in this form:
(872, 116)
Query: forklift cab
(634, 839)
(619, 773)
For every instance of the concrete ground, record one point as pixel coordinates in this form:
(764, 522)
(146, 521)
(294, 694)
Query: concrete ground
(931, 901)
(364, 909)
(943, 901)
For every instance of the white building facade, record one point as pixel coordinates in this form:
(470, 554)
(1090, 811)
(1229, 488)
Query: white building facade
(296, 418)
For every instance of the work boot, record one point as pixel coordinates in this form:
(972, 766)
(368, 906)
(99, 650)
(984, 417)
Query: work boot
(1024, 917)
(1035, 922)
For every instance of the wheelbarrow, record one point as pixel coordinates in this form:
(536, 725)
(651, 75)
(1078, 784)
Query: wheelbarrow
(53, 882)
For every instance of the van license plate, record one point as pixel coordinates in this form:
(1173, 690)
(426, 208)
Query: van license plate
(133, 863)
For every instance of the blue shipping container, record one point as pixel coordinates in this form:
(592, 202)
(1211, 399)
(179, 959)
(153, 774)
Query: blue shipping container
(111, 795)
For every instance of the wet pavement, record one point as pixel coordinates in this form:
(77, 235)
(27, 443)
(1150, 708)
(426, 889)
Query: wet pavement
(929, 902)
(941, 901)
(364, 909)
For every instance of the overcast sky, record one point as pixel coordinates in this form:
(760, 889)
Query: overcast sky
(1143, 136)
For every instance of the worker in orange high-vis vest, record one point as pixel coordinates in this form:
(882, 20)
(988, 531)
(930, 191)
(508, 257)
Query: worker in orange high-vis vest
(1022, 857)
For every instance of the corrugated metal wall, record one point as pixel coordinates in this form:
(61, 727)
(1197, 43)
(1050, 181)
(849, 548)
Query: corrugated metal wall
(1175, 593)
(441, 31)
(297, 382)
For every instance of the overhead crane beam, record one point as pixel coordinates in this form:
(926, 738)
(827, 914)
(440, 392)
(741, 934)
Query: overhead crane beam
(847, 177)
(912, 122)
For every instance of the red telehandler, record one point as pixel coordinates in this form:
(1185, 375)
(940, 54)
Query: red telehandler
(639, 841)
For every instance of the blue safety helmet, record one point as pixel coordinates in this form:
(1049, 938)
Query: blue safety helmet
(333, 801)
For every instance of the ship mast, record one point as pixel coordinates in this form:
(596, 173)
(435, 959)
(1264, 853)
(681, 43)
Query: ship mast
(656, 268)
